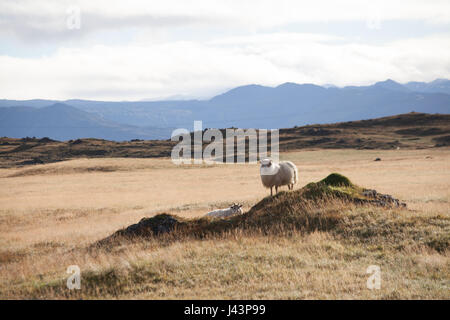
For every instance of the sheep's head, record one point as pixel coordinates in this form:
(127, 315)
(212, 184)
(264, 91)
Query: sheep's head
(268, 167)
(236, 207)
(266, 162)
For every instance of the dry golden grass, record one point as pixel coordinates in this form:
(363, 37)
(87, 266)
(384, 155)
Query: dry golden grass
(50, 213)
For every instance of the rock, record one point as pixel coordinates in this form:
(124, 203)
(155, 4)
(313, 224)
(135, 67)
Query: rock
(379, 199)
(377, 159)
(156, 225)
(370, 193)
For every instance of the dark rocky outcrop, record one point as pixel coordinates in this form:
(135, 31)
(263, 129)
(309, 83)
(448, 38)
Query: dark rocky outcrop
(147, 227)
(384, 200)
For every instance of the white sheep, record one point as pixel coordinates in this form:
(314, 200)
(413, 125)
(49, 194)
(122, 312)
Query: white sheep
(222, 213)
(278, 174)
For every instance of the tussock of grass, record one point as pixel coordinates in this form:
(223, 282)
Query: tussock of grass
(334, 185)
(337, 180)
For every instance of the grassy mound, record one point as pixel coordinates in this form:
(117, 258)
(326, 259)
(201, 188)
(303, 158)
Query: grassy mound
(334, 186)
(316, 207)
(337, 186)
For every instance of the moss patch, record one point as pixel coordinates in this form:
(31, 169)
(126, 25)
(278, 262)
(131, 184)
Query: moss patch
(334, 185)
(337, 180)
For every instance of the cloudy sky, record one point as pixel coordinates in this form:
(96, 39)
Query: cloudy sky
(135, 50)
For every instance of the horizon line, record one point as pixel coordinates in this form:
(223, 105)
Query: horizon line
(325, 86)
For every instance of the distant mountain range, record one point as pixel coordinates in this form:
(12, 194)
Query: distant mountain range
(251, 106)
(63, 122)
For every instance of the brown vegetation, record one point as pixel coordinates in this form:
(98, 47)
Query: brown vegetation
(407, 131)
(53, 215)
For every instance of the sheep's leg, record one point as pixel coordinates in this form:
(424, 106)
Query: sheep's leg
(276, 189)
(271, 192)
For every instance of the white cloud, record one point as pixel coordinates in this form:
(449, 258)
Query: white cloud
(34, 20)
(139, 49)
(135, 72)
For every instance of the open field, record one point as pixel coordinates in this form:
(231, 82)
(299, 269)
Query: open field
(50, 214)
